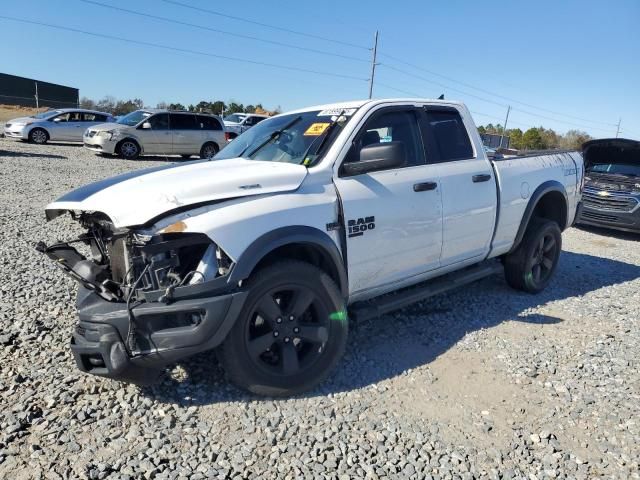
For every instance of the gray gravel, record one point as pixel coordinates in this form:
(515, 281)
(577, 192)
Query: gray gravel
(480, 383)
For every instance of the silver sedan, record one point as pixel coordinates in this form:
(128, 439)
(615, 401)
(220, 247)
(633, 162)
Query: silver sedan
(65, 124)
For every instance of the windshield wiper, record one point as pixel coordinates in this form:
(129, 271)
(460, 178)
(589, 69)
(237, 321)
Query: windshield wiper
(324, 136)
(274, 136)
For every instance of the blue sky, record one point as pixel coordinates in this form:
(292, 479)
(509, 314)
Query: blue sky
(575, 64)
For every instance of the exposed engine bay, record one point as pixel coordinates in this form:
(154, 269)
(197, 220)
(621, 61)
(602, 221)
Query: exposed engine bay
(134, 264)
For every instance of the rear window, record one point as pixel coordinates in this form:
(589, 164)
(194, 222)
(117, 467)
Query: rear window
(450, 135)
(208, 123)
(183, 121)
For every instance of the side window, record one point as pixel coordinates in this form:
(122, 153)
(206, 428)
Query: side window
(205, 122)
(183, 121)
(257, 120)
(63, 117)
(75, 117)
(93, 117)
(159, 121)
(449, 135)
(392, 126)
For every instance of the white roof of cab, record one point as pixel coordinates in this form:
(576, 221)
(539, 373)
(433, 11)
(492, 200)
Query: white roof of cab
(360, 103)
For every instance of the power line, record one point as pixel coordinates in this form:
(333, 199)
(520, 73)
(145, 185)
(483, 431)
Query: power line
(493, 93)
(223, 32)
(183, 50)
(266, 25)
(503, 105)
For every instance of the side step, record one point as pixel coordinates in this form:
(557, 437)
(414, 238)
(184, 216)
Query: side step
(395, 301)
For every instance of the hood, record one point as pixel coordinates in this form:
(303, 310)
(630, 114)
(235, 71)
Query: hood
(109, 126)
(137, 197)
(611, 151)
(24, 120)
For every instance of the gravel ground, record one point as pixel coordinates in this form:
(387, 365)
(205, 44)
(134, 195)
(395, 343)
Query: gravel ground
(485, 382)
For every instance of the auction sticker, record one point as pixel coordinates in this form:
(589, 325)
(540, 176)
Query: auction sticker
(316, 129)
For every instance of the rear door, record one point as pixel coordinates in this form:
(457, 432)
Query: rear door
(187, 137)
(210, 130)
(393, 217)
(469, 196)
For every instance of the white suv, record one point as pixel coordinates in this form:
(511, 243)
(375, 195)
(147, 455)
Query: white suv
(158, 132)
(238, 123)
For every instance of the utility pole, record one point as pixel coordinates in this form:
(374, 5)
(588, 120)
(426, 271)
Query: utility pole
(373, 64)
(618, 129)
(504, 129)
(37, 101)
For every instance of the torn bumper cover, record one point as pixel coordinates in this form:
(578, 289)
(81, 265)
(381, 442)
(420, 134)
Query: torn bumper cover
(141, 306)
(165, 333)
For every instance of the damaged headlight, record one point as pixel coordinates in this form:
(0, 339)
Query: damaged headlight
(108, 134)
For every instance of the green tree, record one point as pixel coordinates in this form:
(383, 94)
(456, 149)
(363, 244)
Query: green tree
(515, 138)
(176, 106)
(532, 140)
(574, 139)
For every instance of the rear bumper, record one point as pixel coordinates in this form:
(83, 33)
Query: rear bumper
(163, 333)
(628, 222)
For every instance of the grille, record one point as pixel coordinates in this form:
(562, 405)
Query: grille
(598, 216)
(616, 203)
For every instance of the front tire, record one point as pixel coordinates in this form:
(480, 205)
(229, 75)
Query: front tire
(530, 267)
(39, 136)
(209, 150)
(128, 149)
(290, 334)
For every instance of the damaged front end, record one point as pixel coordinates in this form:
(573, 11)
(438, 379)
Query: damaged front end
(146, 299)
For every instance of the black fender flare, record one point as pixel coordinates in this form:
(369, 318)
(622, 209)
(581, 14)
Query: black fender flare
(280, 237)
(541, 191)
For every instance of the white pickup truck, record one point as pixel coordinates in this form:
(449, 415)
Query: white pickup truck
(303, 223)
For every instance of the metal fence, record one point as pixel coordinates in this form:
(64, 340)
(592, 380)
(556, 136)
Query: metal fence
(28, 92)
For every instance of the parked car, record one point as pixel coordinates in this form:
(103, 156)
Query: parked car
(492, 153)
(309, 215)
(238, 123)
(611, 196)
(158, 132)
(64, 124)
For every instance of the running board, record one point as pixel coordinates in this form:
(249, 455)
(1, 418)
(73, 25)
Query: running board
(395, 301)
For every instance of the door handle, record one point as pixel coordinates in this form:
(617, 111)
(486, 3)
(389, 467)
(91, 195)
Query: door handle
(424, 186)
(483, 177)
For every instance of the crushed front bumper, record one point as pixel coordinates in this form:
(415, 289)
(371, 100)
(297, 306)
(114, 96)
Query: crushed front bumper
(164, 333)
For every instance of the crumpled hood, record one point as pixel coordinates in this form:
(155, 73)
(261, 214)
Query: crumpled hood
(137, 197)
(109, 126)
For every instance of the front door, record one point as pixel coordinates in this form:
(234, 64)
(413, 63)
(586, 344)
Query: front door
(393, 217)
(187, 136)
(158, 139)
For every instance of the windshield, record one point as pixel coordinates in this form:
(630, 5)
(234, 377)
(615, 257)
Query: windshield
(617, 169)
(235, 118)
(46, 114)
(133, 118)
(292, 138)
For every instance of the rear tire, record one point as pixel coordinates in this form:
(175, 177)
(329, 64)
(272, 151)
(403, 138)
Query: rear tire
(290, 334)
(209, 150)
(530, 266)
(39, 136)
(128, 149)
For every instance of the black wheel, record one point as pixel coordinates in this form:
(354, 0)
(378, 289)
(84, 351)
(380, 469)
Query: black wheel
(290, 334)
(531, 266)
(209, 150)
(186, 156)
(39, 136)
(129, 149)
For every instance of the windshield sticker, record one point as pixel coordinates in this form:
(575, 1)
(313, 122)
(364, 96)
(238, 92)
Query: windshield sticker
(316, 129)
(330, 112)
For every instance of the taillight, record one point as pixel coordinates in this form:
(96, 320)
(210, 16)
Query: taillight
(227, 137)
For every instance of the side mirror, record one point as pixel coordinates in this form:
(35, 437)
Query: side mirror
(379, 156)
(146, 125)
(57, 119)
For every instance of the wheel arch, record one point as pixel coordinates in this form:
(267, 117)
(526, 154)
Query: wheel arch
(133, 139)
(38, 127)
(297, 242)
(548, 201)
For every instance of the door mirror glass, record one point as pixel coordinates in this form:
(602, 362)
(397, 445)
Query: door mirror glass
(378, 156)
(146, 126)
(57, 119)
